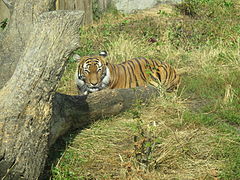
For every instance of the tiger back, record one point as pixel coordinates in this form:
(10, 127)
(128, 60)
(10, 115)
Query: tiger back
(94, 74)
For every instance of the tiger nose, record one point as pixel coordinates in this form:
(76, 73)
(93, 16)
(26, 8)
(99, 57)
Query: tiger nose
(94, 84)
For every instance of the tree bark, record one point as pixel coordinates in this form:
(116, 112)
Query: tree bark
(103, 4)
(71, 112)
(26, 99)
(4, 11)
(23, 16)
(83, 5)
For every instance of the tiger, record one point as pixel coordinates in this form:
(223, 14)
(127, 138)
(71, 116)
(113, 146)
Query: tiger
(94, 73)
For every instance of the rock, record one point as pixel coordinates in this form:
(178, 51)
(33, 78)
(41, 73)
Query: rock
(129, 6)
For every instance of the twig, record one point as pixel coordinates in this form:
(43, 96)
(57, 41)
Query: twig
(8, 3)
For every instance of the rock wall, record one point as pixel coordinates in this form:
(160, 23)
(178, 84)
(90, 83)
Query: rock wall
(129, 6)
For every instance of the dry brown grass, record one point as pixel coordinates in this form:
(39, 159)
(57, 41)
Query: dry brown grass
(160, 140)
(67, 84)
(124, 48)
(116, 148)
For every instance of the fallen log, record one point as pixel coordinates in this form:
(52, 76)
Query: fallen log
(71, 112)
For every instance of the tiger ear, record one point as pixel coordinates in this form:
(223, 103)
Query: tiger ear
(103, 53)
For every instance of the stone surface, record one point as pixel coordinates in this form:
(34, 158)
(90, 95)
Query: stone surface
(129, 6)
(168, 1)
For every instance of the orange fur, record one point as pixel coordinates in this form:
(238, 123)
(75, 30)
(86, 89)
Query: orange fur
(130, 74)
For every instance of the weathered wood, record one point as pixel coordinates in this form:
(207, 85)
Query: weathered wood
(23, 18)
(71, 112)
(8, 3)
(83, 5)
(103, 4)
(4, 11)
(26, 99)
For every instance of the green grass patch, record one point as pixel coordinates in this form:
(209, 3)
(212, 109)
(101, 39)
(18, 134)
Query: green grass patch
(192, 134)
(228, 138)
(210, 22)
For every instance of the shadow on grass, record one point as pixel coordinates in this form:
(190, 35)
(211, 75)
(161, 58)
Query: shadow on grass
(56, 152)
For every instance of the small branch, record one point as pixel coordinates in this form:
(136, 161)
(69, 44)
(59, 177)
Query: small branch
(8, 3)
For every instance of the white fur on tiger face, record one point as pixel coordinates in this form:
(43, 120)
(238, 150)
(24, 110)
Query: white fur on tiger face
(92, 75)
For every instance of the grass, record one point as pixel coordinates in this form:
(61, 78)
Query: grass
(190, 134)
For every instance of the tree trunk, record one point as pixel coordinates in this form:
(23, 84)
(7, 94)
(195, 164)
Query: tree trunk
(103, 4)
(4, 12)
(23, 16)
(83, 5)
(26, 99)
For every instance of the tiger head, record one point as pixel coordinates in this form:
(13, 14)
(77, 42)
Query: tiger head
(92, 74)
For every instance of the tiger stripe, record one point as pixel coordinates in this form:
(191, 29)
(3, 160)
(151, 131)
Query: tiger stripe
(129, 74)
